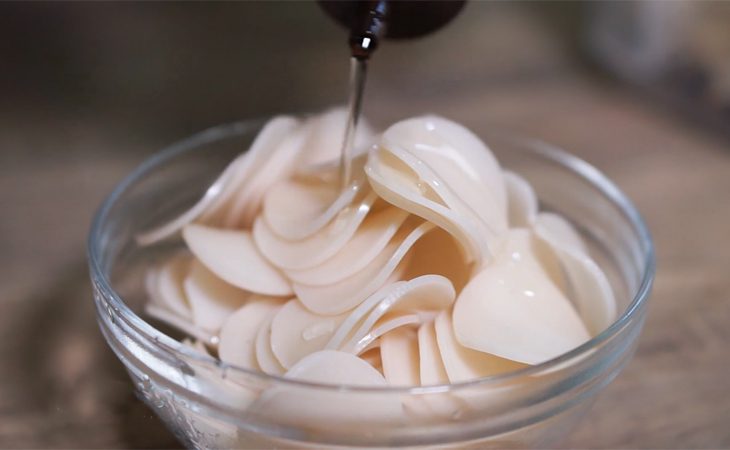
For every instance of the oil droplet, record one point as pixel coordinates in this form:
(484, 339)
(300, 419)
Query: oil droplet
(318, 329)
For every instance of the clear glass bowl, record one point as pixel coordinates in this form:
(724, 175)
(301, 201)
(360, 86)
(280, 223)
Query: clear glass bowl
(209, 404)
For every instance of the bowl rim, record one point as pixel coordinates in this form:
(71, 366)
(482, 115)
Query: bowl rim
(177, 349)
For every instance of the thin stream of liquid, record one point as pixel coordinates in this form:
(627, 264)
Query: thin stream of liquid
(358, 72)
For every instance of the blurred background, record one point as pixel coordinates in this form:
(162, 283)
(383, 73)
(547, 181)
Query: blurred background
(89, 90)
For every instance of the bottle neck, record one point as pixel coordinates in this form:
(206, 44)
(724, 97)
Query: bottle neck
(368, 27)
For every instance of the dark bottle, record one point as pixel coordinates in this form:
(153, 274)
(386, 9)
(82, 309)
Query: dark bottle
(371, 20)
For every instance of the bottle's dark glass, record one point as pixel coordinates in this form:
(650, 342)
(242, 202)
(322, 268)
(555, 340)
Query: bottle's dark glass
(371, 20)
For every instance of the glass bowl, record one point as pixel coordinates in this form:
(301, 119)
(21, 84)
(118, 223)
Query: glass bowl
(210, 404)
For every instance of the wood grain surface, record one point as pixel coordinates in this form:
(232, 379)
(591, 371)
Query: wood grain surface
(61, 387)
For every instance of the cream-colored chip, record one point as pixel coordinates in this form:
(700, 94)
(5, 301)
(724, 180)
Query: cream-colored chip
(296, 332)
(522, 202)
(232, 256)
(587, 284)
(295, 210)
(211, 299)
(555, 228)
(217, 197)
(422, 294)
(317, 248)
(432, 368)
(358, 314)
(165, 285)
(396, 183)
(382, 327)
(264, 354)
(470, 202)
(461, 363)
(368, 242)
(400, 358)
(238, 335)
(324, 408)
(452, 149)
(350, 292)
(513, 309)
(245, 204)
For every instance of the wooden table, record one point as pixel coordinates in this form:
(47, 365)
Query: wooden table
(60, 386)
